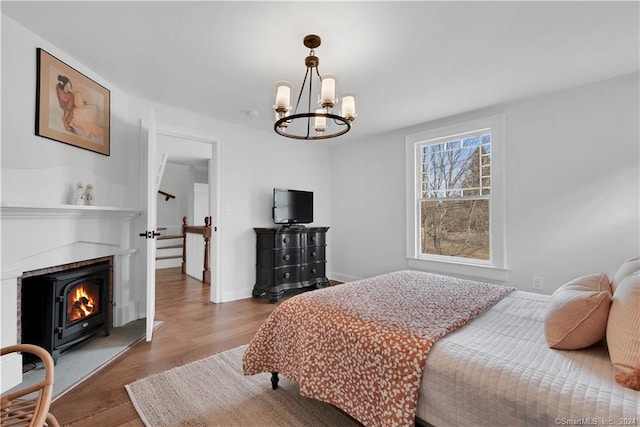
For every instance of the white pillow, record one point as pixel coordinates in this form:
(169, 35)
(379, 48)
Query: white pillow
(630, 266)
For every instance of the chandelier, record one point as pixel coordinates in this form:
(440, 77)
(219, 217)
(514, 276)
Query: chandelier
(322, 119)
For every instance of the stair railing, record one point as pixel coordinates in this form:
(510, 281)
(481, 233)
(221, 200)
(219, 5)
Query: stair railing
(205, 231)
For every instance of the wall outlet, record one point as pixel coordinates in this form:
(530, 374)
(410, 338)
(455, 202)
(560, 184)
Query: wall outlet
(536, 282)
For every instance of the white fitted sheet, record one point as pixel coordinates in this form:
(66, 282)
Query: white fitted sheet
(498, 371)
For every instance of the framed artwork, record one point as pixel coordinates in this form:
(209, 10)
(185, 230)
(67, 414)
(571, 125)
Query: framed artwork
(70, 107)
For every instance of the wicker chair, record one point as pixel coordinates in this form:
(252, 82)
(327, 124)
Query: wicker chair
(33, 410)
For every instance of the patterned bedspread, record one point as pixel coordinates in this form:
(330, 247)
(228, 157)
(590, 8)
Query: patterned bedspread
(362, 346)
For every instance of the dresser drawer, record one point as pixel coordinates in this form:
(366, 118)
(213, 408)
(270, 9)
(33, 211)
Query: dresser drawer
(315, 254)
(286, 240)
(287, 275)
(315, 239)
(315, 271)
(287, 257)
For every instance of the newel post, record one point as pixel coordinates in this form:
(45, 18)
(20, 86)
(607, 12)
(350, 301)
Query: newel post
(206, 233)
(184, 245)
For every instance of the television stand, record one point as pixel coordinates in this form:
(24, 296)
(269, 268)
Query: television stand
(291, 257)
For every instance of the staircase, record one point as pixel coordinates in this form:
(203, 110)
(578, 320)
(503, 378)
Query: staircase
(168, 248)
(169, 245)
(188, 247)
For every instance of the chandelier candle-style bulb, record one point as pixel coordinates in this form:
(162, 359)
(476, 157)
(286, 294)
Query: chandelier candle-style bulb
(328, 91)
(348, 106)
(320, 121)
(282, 97)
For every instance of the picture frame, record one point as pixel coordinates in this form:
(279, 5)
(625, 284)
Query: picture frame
(70, 107)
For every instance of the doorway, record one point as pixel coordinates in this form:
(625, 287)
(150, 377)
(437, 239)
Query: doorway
(200, 153)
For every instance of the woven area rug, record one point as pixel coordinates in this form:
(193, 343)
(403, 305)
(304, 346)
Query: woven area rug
(214, 392)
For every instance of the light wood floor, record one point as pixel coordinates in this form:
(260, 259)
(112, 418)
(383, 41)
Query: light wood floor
(193, 329)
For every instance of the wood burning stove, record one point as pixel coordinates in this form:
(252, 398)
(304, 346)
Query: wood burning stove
(62, 309)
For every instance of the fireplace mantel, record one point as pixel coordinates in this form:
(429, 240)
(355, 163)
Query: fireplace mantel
(38, 236)
(8, 209)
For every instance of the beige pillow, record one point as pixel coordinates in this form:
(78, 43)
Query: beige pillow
(577, 313)
(623, 330)
(630, 266)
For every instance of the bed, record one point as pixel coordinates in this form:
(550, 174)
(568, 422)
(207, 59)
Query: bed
(485, 362)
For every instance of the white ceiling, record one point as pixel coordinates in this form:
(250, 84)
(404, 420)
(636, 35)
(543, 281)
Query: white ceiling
(408, 62)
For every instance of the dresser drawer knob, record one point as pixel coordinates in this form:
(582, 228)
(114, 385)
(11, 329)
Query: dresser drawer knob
(313, 254)
(314, 271)
(287, 257)
(313, 238)
(286, 275)
(285, 240)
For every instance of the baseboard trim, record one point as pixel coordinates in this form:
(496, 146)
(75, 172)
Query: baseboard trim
(344, 277)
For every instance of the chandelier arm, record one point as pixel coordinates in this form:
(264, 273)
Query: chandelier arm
(309, 103)
(304, 81)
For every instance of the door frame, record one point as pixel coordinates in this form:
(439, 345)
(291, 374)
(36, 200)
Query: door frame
(215, 196)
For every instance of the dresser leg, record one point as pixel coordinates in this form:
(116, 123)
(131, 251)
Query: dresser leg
(274, 380)
(274, 297)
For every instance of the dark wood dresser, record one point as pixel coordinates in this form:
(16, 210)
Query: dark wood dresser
(289, 258)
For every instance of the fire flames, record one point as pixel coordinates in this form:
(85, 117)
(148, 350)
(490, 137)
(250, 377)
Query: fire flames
(82, 303)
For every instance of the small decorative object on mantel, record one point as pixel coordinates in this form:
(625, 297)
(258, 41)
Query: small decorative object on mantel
(70, 107)
(78, 196)
(89, 199)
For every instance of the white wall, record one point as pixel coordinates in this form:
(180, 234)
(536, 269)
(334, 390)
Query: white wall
(573, 186)
(200, 203)
(40, 170)
(176, 180)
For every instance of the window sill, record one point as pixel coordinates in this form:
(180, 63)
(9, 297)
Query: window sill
(486, 273)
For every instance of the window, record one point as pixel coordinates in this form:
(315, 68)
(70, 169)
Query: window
(455, 197)
(454, 190)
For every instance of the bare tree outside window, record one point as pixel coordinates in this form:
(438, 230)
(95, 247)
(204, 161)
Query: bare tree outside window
(455, 195)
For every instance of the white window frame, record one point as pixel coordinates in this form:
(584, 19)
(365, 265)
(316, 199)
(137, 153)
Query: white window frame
(493, 270)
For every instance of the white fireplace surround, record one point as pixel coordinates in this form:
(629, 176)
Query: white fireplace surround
(36, 237)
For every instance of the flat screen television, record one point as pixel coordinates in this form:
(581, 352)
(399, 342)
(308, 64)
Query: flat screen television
(292, 206)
